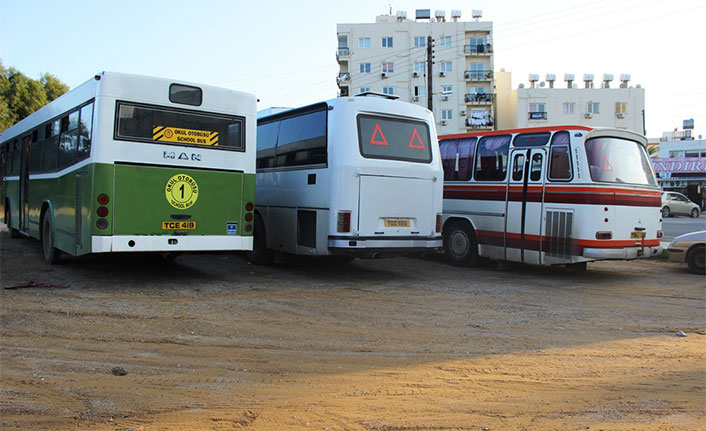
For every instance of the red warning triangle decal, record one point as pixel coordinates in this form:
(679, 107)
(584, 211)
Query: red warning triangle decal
(606, 165)
(412, 144)
(375, 132)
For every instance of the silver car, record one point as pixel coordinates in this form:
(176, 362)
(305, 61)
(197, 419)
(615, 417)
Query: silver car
(690, 248)
(674, 203)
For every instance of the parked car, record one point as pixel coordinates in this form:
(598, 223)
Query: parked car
(674, 203)
(690, 248)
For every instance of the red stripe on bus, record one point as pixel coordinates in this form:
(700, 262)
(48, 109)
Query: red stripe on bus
(514, 240)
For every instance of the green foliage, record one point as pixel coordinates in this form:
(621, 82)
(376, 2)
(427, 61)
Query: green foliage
(20, 96)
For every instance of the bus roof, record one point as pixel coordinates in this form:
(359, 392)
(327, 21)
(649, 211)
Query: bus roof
(513, 131)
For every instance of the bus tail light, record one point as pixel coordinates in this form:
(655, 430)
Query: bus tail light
(102, 211)
(249, 217)
(660, 234)
(438, 222)
(344, 221)
(249, 206)
(604, 235)
(103, 199)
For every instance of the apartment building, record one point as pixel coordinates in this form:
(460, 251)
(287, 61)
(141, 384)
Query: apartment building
(391, 56)
(589, 102)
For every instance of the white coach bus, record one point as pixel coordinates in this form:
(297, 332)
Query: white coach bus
(356, 176)
(550, 195)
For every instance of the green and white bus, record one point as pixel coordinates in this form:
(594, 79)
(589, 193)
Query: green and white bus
(133, 163)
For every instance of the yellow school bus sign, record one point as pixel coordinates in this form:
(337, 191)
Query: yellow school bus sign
(185, 136)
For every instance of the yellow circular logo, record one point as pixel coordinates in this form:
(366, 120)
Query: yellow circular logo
(168, 133)
(181, 191)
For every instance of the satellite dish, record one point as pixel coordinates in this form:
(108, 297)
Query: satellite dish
(522, 85)
(542, 84)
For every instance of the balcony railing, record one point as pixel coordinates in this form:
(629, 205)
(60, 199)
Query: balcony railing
(539, 115)
(480, 49)
(342, 52)
(343, 77)
(478, 75)
(485, 122)
(479, 98)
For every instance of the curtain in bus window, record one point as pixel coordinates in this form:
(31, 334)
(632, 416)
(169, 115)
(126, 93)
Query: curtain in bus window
(492, 158)
(448, 151)
(618, 161)
(302, 140)
(266, 142)
(559, 161)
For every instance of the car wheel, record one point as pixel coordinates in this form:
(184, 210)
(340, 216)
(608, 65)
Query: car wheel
(51, 253)
(460, 244)
(697, 260)
(260, 254)
(666, 212)
(694, 212)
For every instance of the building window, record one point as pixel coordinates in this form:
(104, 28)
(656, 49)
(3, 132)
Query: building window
(447, 90)
(342, 41)
(537, 111)
(476, 45)
(620, 107)
(569, 108)
(388, 67)
(445, 40)
(447, 114)
(420, 41)
(419, 68)
(364, 42)
(477, 71)
(676, 154)
(388, 90)
(364, 89)
(592, 108)
(364, 67)
(446, 67)
(387, 42)
(420, 90)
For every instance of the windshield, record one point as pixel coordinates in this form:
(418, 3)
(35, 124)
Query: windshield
(617, 160)
(393, 139)
(177, 127)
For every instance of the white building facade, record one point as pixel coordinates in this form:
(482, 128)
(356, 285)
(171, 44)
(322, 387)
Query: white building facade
(390, 56)
(592, 103)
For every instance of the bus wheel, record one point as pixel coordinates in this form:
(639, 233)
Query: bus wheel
(666, 212)
(697, 260)
(14, 233)
(460, 244)
(51, 253)
(694, 213)
(260, 254)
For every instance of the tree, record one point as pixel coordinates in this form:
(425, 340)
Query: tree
(20, 96)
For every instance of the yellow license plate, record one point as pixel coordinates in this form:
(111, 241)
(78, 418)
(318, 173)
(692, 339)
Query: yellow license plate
(178, 225)
(637, 235)
(396, 222)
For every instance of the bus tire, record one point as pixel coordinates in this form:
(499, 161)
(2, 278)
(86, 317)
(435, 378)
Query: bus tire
(260, 254)
(666, 212)
(14, 233)
(696, 258)
(51, 253)
(460, 244)
(694, 213)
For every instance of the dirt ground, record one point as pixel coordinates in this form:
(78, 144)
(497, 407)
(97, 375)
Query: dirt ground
(214, 343)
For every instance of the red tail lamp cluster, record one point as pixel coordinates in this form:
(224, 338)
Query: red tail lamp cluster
(344, 221)
(438, 222)
(102, 211)
(249, 216)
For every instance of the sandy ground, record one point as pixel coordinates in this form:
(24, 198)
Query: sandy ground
(214, 343)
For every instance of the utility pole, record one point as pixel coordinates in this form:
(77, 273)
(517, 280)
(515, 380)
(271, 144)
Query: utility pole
(429, 76)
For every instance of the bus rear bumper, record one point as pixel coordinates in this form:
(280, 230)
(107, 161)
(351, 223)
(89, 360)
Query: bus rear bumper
(374, 247)
(165, 243)
(626, 253)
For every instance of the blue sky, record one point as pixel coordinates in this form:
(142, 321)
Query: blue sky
(284, 51)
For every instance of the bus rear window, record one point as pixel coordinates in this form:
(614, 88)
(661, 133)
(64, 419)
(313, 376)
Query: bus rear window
(619, 161)
(175, 127)
(393, 139)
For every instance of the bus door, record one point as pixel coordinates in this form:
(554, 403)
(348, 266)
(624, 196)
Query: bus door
(523, 224)
(24, 185)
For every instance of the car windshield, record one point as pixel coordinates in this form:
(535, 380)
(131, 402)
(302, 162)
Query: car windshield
(617, 160)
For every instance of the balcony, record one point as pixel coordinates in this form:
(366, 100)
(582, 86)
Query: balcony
(480, 49)
(478, 75)
(539, 115)
(342, 52)
(343, 77)
(479, 98)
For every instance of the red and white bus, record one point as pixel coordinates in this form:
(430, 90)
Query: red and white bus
(550, 195)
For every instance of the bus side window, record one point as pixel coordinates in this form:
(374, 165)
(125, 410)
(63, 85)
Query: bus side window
(457, 158)
(266, 143)
(559, 160)
(518, 167)
(35, 153)
(491, 164)
(536, 167)
(68, 143)
(86, 123)
(51, 147)
(302, 140)
(16, 157)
